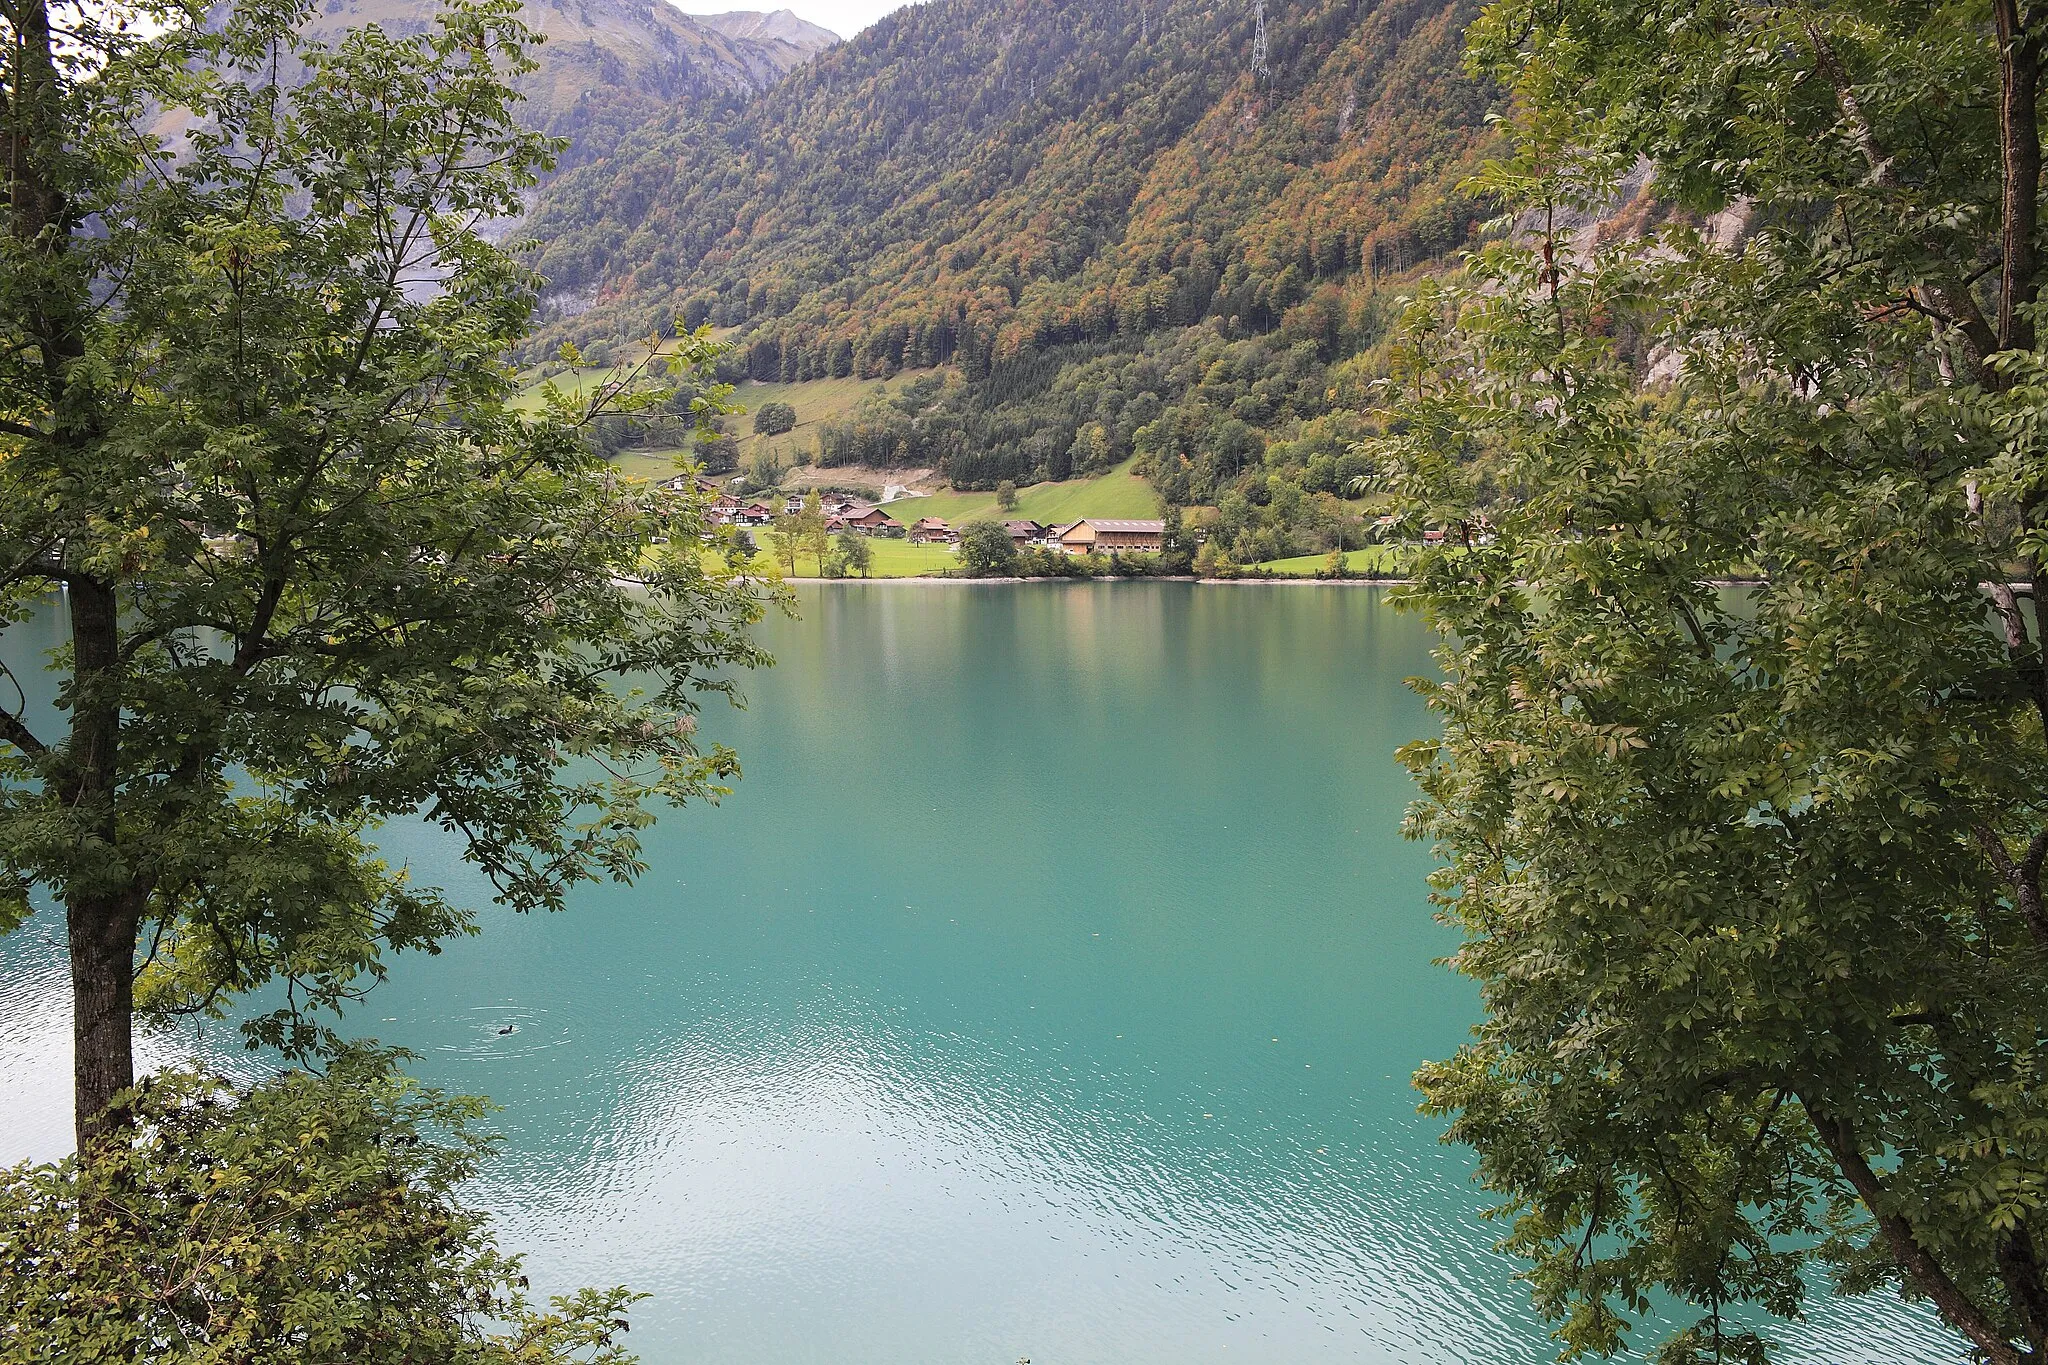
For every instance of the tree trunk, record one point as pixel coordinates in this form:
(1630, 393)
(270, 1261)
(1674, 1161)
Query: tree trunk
(2019, 136)
(101, 907)
(101, 898)
(102, 941)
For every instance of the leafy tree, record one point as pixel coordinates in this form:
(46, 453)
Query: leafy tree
(1176, 546)
(317, 572)
(1750, 879)
(305, 1220)
(855, 552)
(785, 540)
(986, 550)
(765, 467)
(810, 525)
(1006, 495)
(717, 451)
(772, 419)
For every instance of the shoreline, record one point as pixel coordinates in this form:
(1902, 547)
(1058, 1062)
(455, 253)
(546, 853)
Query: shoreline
(1198, 582)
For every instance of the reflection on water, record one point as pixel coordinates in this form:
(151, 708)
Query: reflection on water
(1050, 988)
(35, 1044)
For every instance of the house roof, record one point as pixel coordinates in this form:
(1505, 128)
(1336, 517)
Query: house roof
(1027, 527)
(1121, 524)
(932, 524)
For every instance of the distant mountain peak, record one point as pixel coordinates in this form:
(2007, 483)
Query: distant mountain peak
(774, 26)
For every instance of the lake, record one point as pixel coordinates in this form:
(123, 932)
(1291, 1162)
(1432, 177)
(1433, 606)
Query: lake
(1049, 989)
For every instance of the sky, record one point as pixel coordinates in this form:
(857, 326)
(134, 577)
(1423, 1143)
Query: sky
(843, 17)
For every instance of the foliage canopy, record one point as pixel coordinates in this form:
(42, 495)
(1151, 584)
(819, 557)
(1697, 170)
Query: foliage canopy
(772, 419)
(986, 550)
(316, 572)
(304, 1220)
(1750, 877)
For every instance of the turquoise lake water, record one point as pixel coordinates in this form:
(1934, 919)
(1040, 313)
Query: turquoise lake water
(1049, 989)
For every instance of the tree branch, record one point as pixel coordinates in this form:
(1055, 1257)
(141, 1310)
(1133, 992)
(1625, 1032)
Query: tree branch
(2024, 877)
(1953, 299)
(20, 736)
(1915, 1260)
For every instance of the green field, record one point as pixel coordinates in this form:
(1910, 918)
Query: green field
(571, 382)
(1389, 560)
(651, 465)
(892, 559)
(815, 401)
(1118, 493)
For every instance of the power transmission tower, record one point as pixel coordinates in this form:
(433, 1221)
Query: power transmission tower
(1260, 70)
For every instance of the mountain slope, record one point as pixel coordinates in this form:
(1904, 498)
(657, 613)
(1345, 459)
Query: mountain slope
(610, 65)
(1092, 197)
(965, 146)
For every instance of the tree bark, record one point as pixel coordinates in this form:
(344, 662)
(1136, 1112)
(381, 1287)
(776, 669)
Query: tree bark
(102, 933)
(2019, 137)
(102, 911)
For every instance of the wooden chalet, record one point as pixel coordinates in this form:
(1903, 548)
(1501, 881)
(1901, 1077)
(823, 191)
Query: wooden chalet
(872, 521)
(1113, 535)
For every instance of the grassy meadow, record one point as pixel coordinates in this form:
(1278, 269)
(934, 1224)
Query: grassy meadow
(1119, 493)
(1388, 560)
(815, 401)
(892, 559)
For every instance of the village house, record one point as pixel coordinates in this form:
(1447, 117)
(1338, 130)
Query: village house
(684, 483)
(932, 531)
(873, 521)
(1109, 536)
(1024, 533)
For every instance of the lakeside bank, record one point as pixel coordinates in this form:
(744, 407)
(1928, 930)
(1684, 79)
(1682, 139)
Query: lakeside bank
(1135, 578)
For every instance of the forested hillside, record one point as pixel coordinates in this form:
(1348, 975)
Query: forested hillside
(1121, 227)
